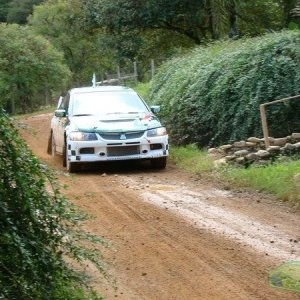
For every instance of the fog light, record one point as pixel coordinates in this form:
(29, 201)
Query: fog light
(87, 151)
(156, 146)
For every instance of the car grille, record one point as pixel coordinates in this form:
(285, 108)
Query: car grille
(121, 136)
(123, 151)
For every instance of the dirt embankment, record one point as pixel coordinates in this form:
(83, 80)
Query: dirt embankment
(175, 237)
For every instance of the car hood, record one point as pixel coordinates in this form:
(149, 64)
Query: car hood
(114, 123)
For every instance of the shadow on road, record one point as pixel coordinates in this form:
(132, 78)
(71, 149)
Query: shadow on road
(117, 167)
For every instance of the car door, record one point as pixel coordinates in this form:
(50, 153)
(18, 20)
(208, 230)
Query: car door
(60, 122)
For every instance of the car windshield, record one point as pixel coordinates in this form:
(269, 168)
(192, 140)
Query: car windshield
(104, 102)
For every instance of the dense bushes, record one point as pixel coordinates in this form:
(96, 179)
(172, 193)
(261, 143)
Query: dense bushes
(211, 95)
(38, 228)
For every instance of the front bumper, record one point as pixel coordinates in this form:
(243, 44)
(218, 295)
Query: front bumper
(112, 150)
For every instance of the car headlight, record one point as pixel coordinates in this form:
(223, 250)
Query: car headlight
(160, 131)
(82, 136)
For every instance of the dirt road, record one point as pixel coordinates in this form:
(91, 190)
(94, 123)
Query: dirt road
(174, 236)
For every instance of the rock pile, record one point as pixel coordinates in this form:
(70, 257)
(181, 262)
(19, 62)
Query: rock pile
(253, 150)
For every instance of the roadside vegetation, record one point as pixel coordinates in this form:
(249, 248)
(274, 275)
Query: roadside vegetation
(211, 95)
(282, 178)
(40, 229)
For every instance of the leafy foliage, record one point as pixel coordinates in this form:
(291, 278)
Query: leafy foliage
(64, 23)
(98, 35)
(29, 68)
(39, 228)
(143, 30)
(211, 95)
(16, 11)
(19, 10)
(198, 20)
(288, 6)
(179, 16)
(4, 6)
(259, 17)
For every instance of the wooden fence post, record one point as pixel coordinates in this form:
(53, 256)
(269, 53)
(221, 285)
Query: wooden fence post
(263, 116)
(152, 68)
(119, 74)
(135, 72)
(264, 122)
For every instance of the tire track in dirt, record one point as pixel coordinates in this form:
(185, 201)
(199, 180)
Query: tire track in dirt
(234, 225)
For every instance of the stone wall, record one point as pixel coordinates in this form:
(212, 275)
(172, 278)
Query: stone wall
(253, 151)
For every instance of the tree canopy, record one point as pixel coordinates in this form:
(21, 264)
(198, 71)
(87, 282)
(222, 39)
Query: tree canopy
(19, 10)
(183, 16)
(64, 23)
(107, 33)
(16, 11)
(4, 6)
(201, 21)
(138, 26)
(30, 67)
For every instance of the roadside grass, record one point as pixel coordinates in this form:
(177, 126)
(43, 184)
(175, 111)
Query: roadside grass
(282, 178)
(192, 159)
(43, 110)
(141, 88)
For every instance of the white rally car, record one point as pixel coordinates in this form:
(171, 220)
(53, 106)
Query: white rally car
(106, 123)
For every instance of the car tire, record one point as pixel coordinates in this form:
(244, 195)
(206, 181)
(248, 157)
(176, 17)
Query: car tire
(49, 148)
(72, 167)
(53, 146)
(64, 156)
(159, 163)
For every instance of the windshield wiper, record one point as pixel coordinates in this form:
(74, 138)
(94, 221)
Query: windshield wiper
(82, 115)
(123, 113)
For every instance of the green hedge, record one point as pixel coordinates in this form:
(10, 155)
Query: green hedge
(39, 228)
(211, 95)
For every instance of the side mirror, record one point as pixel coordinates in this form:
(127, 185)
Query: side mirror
(60, 113)
(155, 109)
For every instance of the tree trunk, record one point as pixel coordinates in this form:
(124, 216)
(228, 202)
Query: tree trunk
(288, 6)
(233, 30)
(295, 13)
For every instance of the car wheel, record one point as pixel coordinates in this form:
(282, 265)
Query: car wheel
(49, 148)
(159, 163)
(64, 156)
(53, 146)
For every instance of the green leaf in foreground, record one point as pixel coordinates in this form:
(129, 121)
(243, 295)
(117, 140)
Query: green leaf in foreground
(40, 233)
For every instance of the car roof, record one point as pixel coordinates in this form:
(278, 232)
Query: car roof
(112, 88)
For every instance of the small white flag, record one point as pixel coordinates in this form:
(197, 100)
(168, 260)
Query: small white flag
(94, 80)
